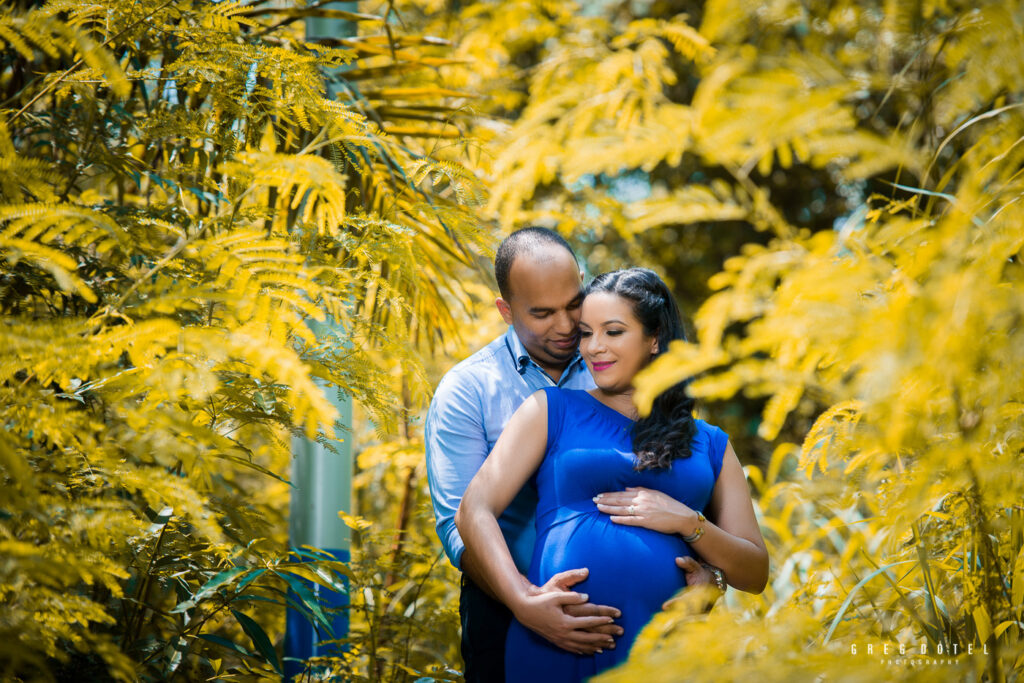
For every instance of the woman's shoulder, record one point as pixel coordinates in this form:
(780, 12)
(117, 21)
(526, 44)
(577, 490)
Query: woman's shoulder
(570, 399)
(562, 401)
(563, 393)
(570, 393)
(708, 428)
(556, 397)
(711, 435)
(713, 441)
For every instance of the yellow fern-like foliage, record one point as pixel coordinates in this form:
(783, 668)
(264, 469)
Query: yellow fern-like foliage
(666, 97)
(611, 95)
(871, 154)
(196, 237)
(901, 528)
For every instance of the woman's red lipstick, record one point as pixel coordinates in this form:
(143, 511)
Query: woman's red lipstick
(602, 365)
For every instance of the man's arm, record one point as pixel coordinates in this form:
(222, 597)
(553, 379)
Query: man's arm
(514, 459)
(456, 447)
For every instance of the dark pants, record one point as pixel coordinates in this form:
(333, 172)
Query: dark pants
(485, 622)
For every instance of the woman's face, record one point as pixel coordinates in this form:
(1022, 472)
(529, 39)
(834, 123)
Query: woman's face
(613, 342)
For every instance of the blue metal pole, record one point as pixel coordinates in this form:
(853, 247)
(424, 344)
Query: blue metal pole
(321, 479)
(322, 483)
(321, 487)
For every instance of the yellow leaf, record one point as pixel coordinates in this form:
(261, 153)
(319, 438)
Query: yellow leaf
(982, 623)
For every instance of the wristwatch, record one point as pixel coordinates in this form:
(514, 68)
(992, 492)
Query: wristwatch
(717, 573)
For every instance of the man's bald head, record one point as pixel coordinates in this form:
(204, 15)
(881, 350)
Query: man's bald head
(536, 243)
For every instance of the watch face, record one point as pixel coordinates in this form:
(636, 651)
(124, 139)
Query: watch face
(719, 576)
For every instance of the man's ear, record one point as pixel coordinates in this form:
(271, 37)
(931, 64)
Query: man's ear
(504, 309)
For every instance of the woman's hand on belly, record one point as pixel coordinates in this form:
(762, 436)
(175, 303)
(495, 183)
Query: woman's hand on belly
(648, 508)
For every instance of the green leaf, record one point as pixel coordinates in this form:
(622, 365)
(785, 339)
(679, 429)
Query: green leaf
(249, 579)
(252, 597)
(259, 639)
(329, 575)
(308, 599)
(224, 642)
(218, 581)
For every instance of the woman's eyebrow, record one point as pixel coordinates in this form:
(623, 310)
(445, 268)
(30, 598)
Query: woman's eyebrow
(606, 323)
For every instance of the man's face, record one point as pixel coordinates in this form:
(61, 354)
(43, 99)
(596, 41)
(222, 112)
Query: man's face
(544, 305)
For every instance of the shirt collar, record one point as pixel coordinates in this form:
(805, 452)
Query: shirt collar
(522, 359)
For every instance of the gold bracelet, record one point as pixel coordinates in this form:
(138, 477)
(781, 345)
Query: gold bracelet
(698, 532)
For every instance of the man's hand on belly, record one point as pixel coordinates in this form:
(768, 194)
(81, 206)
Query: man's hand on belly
(566, 618)
(563, 580)
(589, 609)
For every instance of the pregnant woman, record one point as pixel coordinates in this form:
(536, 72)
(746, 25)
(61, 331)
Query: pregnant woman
(619, 495)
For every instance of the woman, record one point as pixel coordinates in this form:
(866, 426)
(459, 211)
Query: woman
(620, 496)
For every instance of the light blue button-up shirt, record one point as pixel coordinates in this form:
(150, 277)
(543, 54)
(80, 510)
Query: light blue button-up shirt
(470, 409)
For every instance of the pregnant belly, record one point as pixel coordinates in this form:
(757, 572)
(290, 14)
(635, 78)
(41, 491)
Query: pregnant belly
(630, 567)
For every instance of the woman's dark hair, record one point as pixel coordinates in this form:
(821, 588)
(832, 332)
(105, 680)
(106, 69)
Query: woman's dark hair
(666, 433)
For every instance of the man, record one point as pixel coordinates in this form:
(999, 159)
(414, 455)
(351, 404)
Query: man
(540, 286)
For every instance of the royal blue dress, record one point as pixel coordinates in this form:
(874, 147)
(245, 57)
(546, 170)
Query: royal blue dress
(589, 451)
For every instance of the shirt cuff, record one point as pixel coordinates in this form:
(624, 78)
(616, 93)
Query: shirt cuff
(456, 557)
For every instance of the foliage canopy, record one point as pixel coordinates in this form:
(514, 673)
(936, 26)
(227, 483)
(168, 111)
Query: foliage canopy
(875, 150)
(832, 188)
(179, 194)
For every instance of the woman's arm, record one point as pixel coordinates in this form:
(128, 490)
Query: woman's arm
(732, 539)
(517, 454)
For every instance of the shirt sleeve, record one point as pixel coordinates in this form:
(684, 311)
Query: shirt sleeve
(456, 447)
